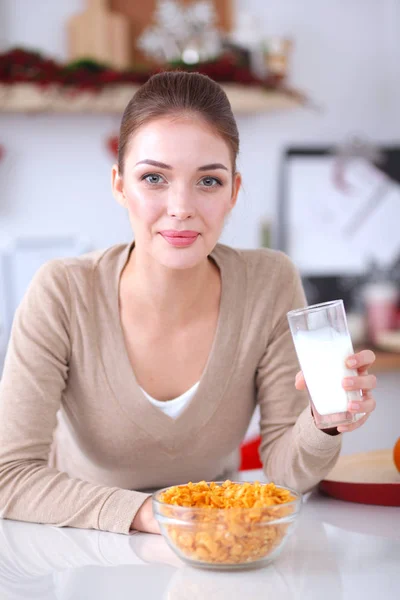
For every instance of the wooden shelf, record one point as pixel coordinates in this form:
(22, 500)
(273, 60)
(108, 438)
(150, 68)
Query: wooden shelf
(31, 98)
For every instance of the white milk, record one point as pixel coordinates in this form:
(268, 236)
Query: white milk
(322, 354)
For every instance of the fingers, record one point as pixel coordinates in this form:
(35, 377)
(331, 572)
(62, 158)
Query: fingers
(299, 382)
(352, 426)
(366, 405)
(363, 359)
(363, 406)
(364, 382)
(360, 382)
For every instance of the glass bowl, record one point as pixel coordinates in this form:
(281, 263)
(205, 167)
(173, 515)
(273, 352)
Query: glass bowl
(226, 538)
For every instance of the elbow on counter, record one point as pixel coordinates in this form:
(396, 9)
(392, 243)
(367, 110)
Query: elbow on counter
(304, 471)
(18, 500)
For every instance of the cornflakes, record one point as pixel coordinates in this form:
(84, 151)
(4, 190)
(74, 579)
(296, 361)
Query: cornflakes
(232, 535)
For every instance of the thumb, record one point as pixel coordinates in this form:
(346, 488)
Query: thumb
(300, 383)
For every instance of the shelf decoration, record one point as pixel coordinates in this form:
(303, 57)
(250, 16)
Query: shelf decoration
(99, 33)
(184, 33)
(103, 71)
(26, 66)
(171, 16)
(31, 82)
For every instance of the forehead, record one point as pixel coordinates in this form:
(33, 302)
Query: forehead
(178, 140)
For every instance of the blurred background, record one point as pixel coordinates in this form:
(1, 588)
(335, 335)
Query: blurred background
(315, 88)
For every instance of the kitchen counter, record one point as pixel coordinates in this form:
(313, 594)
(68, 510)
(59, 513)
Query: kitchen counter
(338, 551)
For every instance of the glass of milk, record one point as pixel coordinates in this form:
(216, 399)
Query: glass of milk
(323, 344)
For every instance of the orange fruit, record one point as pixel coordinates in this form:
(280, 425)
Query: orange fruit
(396, 454)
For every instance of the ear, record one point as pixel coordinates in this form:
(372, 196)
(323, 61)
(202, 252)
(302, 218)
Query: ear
(117, 184)
(237, 183)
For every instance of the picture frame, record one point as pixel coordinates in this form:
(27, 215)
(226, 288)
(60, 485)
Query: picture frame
(339, 228)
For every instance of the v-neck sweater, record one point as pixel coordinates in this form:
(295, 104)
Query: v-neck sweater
(80, 444)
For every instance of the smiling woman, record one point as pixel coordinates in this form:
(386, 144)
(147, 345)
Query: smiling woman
(161, 203)
(188, 119)
(139, 366)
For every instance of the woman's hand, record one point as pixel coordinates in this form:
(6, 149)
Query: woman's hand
(363, 381)
(144, 519)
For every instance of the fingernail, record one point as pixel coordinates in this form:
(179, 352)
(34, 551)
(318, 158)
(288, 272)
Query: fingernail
(348, 382)
(355, 406)
(352, 362)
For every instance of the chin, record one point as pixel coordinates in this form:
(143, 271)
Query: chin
(180, 259)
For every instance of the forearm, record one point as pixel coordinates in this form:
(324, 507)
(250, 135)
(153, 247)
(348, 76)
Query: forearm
(31, 491)
(302, 456)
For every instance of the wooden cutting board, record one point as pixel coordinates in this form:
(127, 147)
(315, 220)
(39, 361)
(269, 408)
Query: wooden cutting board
(367, 478)
(101, 35)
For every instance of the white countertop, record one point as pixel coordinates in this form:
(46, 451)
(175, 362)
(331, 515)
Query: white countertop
(338, 551)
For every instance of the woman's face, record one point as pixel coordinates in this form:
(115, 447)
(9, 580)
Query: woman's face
(178, 187)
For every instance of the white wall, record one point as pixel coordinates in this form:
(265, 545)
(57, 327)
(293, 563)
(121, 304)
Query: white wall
(56, 176)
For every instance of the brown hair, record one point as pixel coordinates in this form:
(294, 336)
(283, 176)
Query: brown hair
(175, 93)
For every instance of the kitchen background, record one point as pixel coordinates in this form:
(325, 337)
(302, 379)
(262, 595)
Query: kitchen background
(329, 122)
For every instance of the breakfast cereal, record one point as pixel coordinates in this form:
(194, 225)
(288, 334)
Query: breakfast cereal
(235, 522)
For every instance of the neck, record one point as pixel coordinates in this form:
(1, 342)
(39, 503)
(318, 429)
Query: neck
(174, 296)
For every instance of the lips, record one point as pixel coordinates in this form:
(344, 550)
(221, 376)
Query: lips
(179, 238)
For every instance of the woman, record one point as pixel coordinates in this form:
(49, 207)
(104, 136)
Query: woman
(140, 366)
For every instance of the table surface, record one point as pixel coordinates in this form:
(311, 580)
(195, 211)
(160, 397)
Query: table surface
(338, 551)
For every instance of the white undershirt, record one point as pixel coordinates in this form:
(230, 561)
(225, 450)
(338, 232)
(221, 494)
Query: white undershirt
(174, 407)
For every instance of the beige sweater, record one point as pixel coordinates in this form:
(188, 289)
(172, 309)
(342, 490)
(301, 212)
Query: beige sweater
(79, 441)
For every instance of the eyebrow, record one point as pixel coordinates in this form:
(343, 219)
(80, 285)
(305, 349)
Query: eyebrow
(161, 165)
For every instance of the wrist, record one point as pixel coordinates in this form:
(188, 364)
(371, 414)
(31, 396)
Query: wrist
(144, 519)
(330, 430)
(139, 520)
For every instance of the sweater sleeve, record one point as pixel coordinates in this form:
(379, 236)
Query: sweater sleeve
(31, 389)
(294, 452)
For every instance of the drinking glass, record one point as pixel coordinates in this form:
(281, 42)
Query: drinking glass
(323, 344)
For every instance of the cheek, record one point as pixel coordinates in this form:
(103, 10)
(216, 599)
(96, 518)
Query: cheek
(141, 207)
(216, 209)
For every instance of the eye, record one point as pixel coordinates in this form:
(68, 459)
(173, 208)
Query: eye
(152, 178)
(210, 182)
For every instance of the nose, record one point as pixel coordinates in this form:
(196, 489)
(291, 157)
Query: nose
(180, 206)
